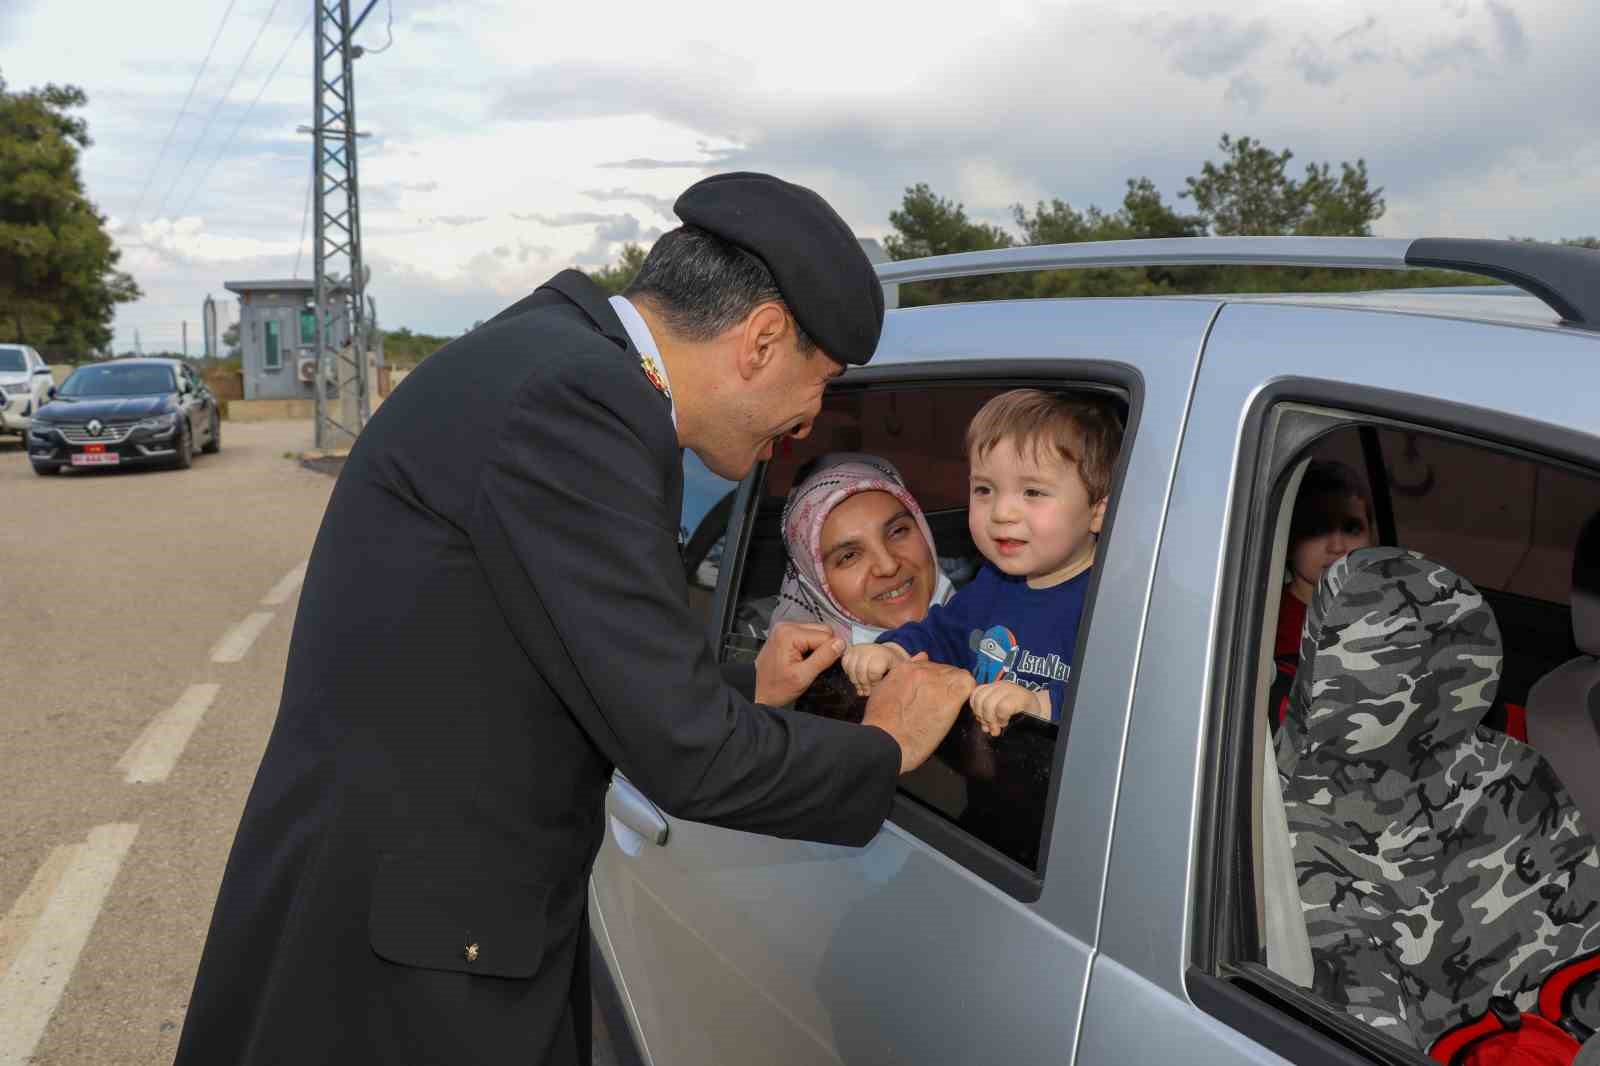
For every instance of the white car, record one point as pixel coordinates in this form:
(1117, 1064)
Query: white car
(25, 380)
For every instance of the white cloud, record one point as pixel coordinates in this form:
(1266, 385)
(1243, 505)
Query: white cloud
(493, 163)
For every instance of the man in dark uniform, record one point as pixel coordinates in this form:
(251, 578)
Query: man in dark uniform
(494, 617)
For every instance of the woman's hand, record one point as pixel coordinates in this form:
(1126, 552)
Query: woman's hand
(995, 704)
(794, 654)
(865, 664)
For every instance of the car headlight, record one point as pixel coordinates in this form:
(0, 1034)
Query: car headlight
(159, 422)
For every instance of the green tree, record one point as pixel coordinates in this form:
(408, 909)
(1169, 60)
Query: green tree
(59, 285)
(1143, 214)
(401, 347)
(230, 341)
(1570, 242)
(619, 275)
(1252, 194)
(926, 225)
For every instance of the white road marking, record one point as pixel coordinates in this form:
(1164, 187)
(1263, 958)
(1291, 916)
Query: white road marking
(153, 755)
(284, 589)
(31, 986)
(15, 925)
(236, 641)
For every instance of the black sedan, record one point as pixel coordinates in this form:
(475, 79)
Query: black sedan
(127, 412)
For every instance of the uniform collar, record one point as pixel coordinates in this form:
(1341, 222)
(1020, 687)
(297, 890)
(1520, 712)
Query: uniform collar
(655, 368)
(576, 286)
(608, 316)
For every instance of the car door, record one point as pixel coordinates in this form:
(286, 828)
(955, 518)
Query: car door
(190, 403)
(38, 379)
(205, 406)
(1164, 949)
(930, 944)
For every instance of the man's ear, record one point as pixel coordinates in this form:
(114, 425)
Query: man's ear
(1097, 515)
(760, 337)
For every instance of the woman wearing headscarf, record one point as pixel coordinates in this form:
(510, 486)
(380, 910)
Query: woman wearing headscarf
(862, 559)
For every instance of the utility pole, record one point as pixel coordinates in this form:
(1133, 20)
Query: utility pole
(208, 328)
(186, 338)
(341, 385)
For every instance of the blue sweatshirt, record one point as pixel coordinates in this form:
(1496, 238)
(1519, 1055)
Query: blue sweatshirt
(1002, 630)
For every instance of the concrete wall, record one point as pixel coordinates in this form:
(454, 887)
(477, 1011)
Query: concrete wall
(263, 410)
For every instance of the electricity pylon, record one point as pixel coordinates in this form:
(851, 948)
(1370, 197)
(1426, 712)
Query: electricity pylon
(342, 385)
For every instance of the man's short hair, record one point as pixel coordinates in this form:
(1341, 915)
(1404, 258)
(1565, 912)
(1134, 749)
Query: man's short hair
(703, 285)
(1082, 431)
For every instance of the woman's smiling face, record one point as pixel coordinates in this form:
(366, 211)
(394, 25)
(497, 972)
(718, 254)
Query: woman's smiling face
(876, 560)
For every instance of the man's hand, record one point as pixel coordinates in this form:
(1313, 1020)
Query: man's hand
(916, 704)
(865, 664)
(795, 653)
(994, 704)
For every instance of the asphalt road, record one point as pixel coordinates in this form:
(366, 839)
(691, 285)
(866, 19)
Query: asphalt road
(144, 624)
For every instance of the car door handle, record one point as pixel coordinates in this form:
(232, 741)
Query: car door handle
(630, 807)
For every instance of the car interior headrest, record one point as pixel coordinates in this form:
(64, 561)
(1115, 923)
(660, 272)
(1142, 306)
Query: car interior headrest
(1402, 651)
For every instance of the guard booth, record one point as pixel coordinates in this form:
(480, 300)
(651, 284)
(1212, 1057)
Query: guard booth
(278, 336)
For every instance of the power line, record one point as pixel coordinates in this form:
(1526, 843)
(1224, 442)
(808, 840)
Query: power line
(218, 105)
(387, 29)
(304, 214)
(184, 109)
(240, 124)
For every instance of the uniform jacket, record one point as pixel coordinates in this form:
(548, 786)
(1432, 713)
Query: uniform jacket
(494, 616)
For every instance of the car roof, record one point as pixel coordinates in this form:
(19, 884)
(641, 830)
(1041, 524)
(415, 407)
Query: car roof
(1561, 283)
(1498, 304)
(142, 360)
(1494, 304)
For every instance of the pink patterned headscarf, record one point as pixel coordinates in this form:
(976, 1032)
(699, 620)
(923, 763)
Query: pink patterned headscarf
(805, 596)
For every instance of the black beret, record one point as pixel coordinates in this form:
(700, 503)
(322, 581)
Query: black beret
(825, 277)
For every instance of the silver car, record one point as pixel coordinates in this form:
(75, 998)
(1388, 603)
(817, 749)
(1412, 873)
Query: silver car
(24, 382)
(1171, 875)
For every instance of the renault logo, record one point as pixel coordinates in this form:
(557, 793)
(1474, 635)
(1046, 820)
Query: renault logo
(94, 427)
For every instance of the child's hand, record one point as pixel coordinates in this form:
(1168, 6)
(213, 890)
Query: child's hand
(994, 704)
(865, 664)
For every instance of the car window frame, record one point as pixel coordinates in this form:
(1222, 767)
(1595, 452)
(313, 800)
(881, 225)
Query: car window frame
(1244, 994)
(907, 813)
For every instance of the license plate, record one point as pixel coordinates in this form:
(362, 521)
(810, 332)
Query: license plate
(96, 459)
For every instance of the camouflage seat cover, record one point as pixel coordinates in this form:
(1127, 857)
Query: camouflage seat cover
(1439, 863)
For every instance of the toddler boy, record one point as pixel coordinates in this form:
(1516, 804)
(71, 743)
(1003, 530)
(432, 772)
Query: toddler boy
(1039, 483)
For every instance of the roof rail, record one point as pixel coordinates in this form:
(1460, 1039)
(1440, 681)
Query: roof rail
(1567, 279)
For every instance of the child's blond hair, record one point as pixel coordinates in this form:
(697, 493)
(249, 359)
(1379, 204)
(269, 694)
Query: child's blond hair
(1083, 431)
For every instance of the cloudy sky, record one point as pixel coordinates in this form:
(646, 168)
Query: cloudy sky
(510, 140)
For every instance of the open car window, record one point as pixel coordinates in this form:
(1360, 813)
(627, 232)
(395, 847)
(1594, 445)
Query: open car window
(991, 793)
(1417, 817)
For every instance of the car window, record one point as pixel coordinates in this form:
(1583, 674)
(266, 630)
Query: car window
(1420, 835)
(707, 503)
(272, 354)
(1509, 524)
(989, 790)
(110, 379)
(12, 359)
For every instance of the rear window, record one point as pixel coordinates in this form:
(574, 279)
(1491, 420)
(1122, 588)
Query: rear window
(981, 800)
(1507, 523)
(1413, 856)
